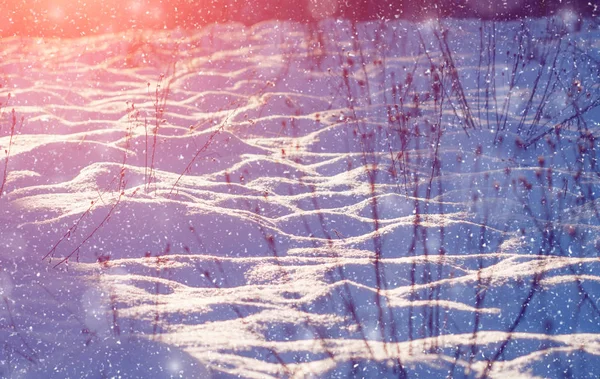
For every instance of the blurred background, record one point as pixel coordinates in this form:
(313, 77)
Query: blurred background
(72, 18)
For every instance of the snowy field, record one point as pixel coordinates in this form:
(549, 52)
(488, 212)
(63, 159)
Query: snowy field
(367, 200)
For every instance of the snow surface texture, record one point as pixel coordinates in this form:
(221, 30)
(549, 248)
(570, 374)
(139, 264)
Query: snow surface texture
(336, 200)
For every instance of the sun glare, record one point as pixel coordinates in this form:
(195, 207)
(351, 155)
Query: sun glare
(78, 18)
(57, 14)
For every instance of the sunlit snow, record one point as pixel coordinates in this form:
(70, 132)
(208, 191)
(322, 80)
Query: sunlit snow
(372, 199)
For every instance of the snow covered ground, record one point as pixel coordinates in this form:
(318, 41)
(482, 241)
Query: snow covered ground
(371, 200)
